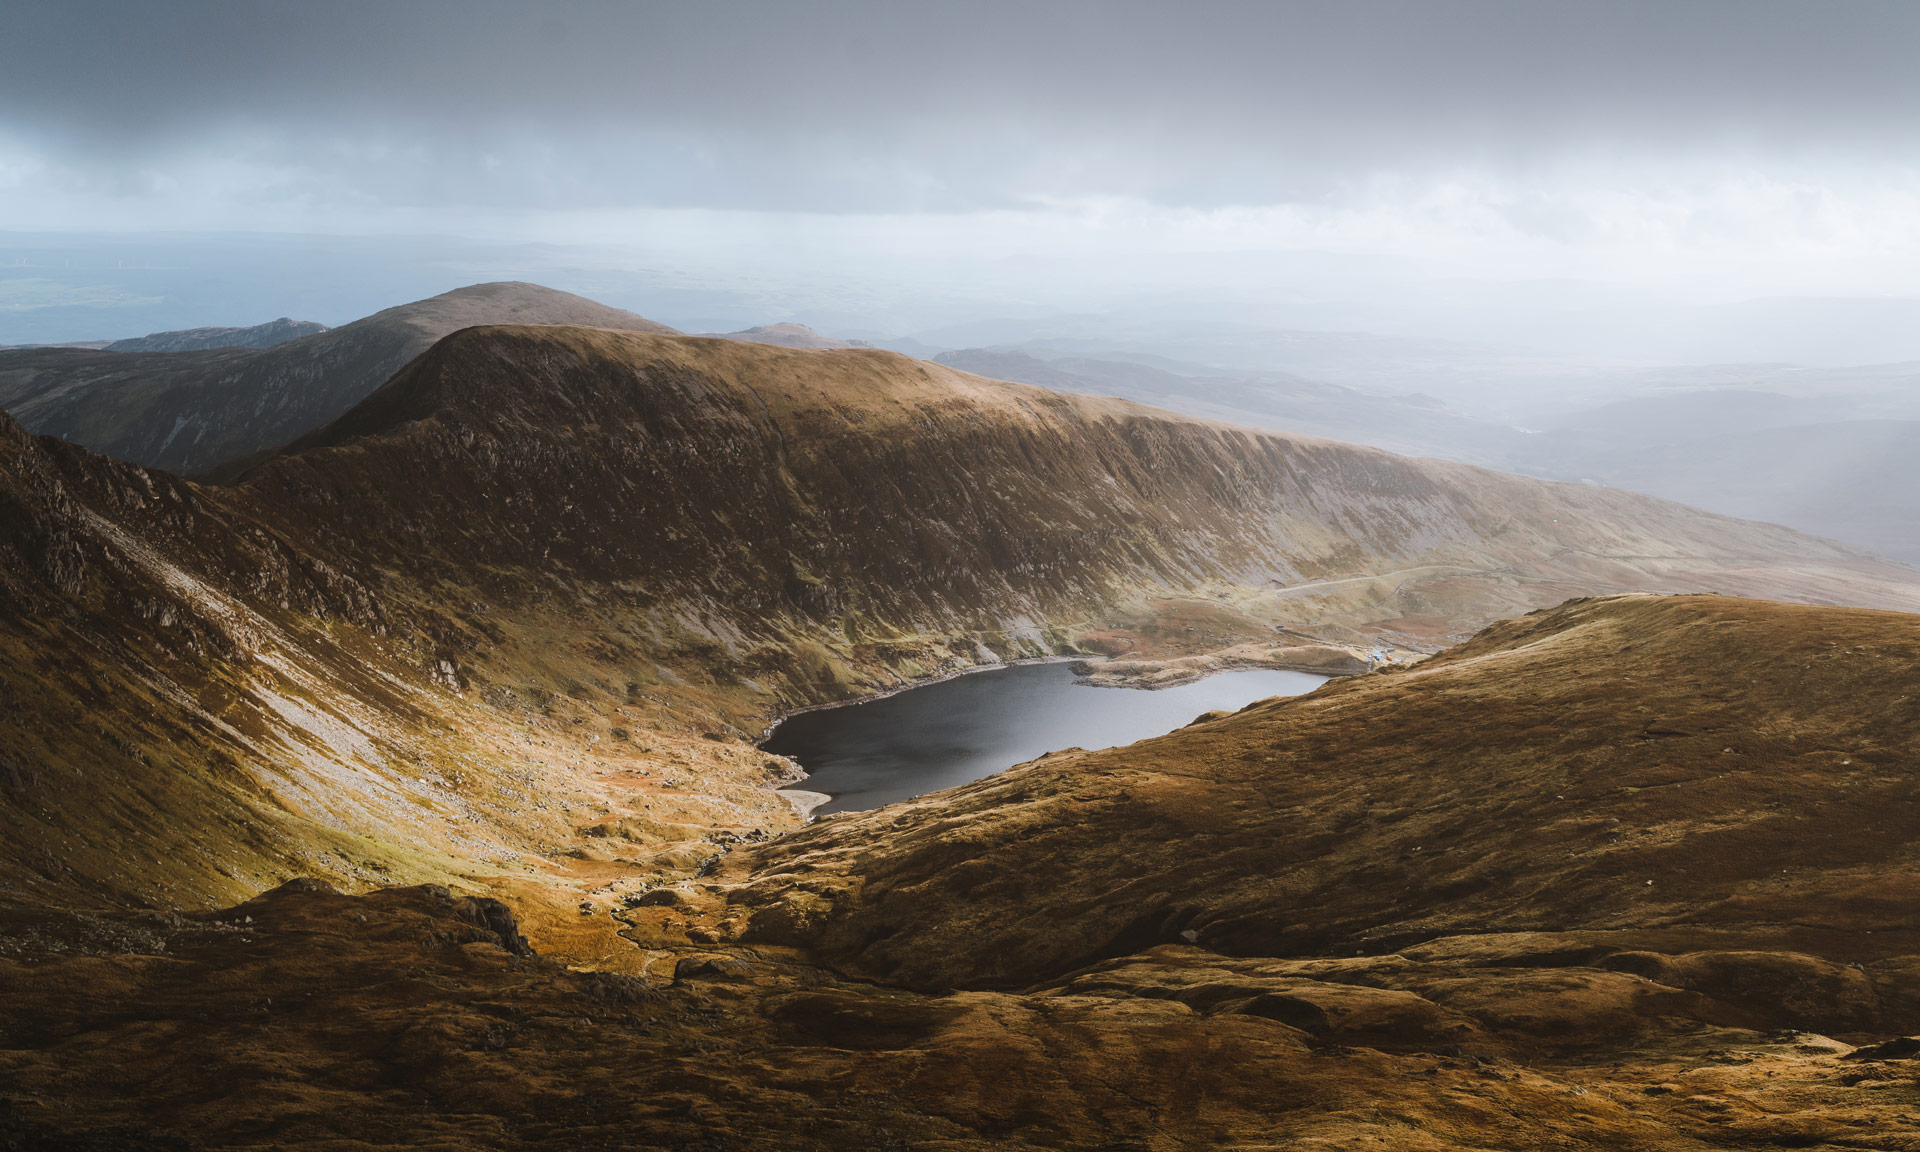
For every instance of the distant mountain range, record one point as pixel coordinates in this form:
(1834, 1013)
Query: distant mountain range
(1412, 424)
(787, 336)
(189, 411)
(1830, 452)
(198, 401)
(195, 339)
(200, 339)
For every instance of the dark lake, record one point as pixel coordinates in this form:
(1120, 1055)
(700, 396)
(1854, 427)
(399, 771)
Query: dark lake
(873, 753)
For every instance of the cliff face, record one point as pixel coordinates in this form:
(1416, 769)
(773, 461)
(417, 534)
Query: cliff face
(188, 411)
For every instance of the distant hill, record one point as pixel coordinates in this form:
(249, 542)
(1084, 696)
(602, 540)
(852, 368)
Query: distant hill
(190, 411)
(200, 339)
(1852, 480)
(1413, 424)
(1827, 451)
(787, 336)
(1837, 454)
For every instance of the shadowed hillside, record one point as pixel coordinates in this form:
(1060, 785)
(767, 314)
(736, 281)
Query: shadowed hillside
(895, 498)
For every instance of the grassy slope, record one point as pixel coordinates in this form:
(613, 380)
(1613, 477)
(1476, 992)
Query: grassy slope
(1683, 772)
(1511, 985)
(485, 625)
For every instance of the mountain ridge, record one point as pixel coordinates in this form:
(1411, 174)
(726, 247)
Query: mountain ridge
(192, 411)
(201, 339)
(679, 537)
(433, 735)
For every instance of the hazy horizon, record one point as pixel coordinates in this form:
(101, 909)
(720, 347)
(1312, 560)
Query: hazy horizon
(1713, 182)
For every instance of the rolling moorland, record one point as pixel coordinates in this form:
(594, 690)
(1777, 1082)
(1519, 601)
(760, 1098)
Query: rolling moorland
(466, 682)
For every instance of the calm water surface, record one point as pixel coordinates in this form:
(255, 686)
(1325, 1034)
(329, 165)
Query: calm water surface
(925, 739)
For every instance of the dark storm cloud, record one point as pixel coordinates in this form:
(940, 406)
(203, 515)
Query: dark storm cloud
(865, 106)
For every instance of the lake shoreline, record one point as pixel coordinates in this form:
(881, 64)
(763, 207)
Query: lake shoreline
(901, 744)
(908, 686)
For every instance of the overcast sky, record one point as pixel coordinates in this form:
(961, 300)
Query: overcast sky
(1718, 147)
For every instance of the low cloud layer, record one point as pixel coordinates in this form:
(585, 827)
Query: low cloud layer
(1723, 140)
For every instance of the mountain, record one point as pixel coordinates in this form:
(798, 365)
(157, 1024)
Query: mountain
(1853, 480)
(787, 336)
(200, 339)
(403, 791)
(189, 412)
(1492, 383)
(1628, 874)
(554, 534)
